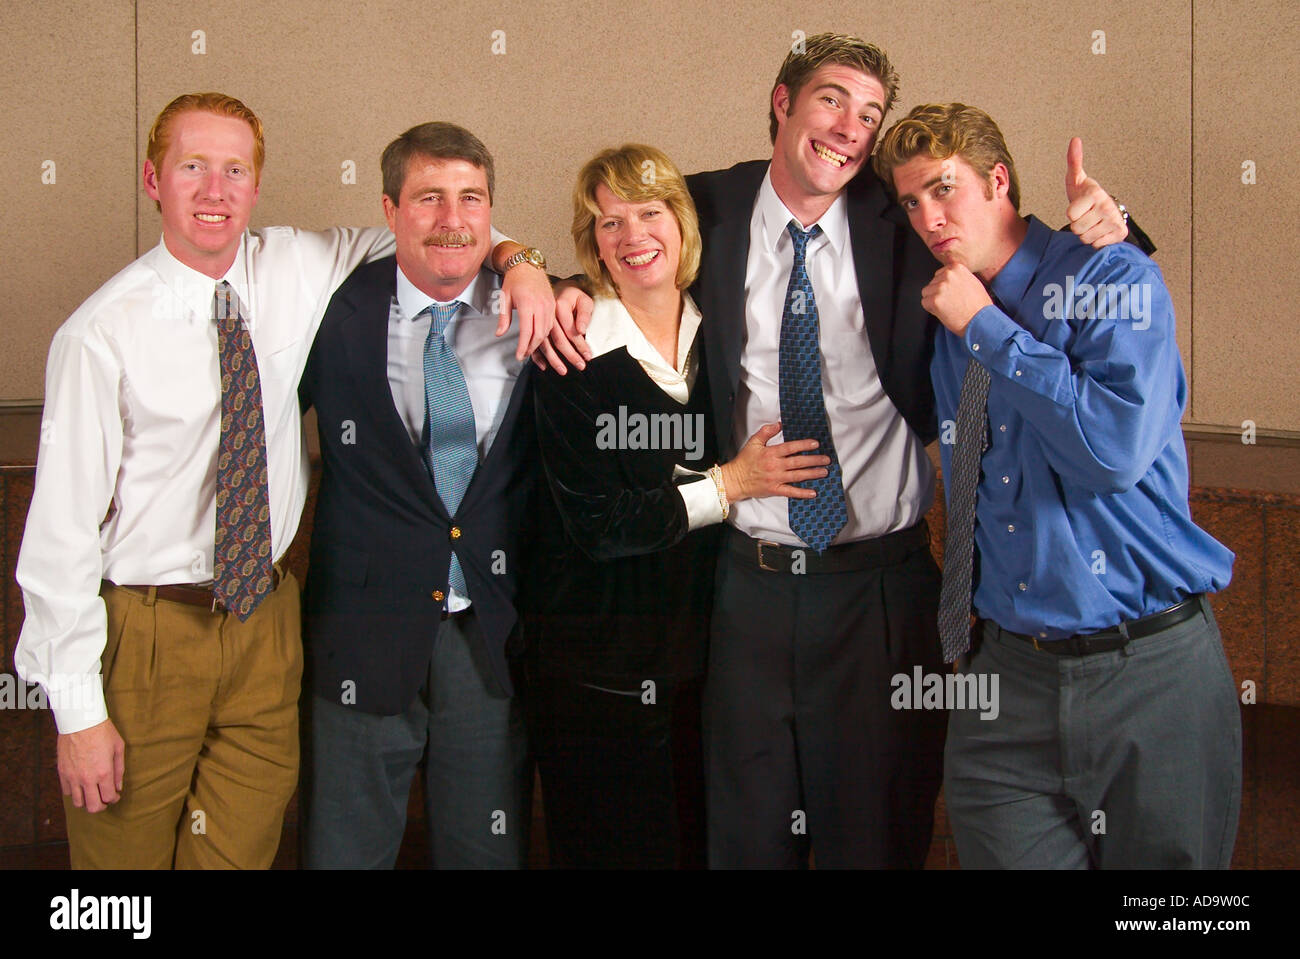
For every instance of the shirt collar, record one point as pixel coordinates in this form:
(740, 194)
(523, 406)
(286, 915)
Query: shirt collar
(475, 296)
(195, 290)
(1012, 281)
(612, 326)
(776, 216)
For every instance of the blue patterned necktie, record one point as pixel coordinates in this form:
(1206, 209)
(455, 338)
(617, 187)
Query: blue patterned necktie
(963, 485)
(241, 570)
(451, 446)
(803, 410)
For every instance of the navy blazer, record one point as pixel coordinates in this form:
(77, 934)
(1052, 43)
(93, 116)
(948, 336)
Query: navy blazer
(381, 543)
(892, 266)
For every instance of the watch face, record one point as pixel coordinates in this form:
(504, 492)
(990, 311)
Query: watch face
(536, 258)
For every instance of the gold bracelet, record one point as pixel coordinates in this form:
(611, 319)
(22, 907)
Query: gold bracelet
(715, 472)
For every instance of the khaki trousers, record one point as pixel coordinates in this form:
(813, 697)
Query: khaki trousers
(208, 709)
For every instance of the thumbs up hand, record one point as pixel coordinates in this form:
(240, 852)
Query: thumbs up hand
(1093, 214)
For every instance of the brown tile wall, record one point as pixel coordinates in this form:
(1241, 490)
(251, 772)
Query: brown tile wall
(1239, 609)
(19, 728)
(1282, 591)
(1276, 775)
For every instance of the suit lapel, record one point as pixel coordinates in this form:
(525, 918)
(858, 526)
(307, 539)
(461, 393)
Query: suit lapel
(721, 290)
(872, 237)
(728, 250)
(365, 336)
(501, 452)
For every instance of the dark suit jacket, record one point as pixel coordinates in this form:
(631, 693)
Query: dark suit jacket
(892, 266)
(381, 543)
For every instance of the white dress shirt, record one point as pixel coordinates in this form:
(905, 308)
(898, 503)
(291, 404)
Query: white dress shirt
(612, 327)
(126, 474)
(888, 478)
(486, 360)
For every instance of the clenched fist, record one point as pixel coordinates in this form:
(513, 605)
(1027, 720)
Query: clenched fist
(954, 296)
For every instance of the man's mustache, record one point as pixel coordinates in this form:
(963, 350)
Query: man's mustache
(450, 238)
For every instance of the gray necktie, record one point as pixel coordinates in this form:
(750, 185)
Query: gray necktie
(959, 548)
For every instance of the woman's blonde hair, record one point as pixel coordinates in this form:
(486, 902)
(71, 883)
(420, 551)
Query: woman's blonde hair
(638, 174)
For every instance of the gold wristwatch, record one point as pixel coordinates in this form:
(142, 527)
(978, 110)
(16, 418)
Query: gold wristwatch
(528, 255)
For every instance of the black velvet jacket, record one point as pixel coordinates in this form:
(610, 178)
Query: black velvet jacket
(622, 592)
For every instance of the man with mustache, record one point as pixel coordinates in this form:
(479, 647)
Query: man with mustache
(427, 440)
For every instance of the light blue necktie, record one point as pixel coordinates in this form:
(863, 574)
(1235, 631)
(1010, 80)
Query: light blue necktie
(450, 445)
(803, 409)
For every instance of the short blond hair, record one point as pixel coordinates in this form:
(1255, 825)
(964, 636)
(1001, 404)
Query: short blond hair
(160, 133)
(943, 130)
(638, 174)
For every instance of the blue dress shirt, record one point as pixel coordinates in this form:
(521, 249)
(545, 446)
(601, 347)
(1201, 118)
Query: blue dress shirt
(1082, 517)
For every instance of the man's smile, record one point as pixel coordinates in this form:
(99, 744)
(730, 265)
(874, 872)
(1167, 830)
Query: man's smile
(832, 157)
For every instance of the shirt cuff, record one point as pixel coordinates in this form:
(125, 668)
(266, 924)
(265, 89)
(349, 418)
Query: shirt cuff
(987, 333)
(703, 508)
(77, 702)
(497, 238)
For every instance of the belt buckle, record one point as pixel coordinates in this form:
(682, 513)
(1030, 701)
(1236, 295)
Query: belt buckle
(762, 564)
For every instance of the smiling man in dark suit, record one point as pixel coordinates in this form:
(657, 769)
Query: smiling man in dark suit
(427, 437)
(810, 292)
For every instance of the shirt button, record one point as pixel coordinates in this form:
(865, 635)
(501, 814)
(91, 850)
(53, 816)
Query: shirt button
(1006, 479)
(1011, 528)
(1017, 372)
(1043, 635)
(1023, 587)
(975, 347)
(455, 532)
(438, 596)
(1002, 428)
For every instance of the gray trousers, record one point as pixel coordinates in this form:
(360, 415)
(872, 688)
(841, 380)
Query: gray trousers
(476, 792)
(1126, 759)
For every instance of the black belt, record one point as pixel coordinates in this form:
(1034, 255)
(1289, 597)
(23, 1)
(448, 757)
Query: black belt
(887, 550)
(1117, 637)
(457, 614)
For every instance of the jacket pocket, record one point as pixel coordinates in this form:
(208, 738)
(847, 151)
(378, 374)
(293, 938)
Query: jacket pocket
(342, 564)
